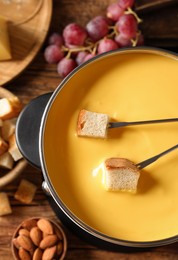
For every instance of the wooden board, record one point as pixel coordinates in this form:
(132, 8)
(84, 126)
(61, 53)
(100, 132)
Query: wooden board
(27, 33)
(6, 176)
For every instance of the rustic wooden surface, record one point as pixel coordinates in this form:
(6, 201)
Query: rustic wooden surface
(41, 78)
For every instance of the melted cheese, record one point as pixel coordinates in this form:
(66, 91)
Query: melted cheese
(127, 87)
(5, 53)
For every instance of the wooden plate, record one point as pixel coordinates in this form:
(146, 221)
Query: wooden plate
(20, 165)
(28, 26)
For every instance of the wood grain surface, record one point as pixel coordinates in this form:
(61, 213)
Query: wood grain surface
(41, 78)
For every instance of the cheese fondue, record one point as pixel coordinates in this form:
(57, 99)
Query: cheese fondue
(128, 87)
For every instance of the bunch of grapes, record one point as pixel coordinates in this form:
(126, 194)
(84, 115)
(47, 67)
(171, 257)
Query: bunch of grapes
(117, 29)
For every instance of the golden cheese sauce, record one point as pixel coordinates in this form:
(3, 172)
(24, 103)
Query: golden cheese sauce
(128, 87)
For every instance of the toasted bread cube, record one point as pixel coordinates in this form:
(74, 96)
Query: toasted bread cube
(13, 149)
(3, 146)
(9, 107)
(92, 124)
(8, 128)
(26, 191)
(5, 207)
(6, 161)
(121, 175)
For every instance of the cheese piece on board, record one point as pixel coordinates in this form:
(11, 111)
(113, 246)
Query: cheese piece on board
(5, 52)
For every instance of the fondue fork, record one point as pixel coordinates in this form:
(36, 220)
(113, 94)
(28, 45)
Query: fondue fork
(123, 124)
(93, 124)
(147, 162)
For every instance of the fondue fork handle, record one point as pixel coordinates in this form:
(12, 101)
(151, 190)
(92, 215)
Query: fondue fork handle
(145, 163)
(154, 5)
(123, 124)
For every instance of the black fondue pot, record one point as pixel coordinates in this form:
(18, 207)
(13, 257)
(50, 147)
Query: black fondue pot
(30, 136)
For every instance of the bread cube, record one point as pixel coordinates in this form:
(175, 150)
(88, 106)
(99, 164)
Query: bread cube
(13, 149)
(8, 128)
(5, 207)
(26, 191)
(9, 107)
(121, 175)
(92, 124)
(6, 161)
(3, 146)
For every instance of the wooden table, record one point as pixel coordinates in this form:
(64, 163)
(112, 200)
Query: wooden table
(41, 78)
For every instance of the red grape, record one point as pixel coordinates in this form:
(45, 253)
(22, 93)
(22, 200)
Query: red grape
(123, 42)
(97, 28)
(107, 45)
(127, 26)
(56, 39)
(89, 56)
(118, 28)
(126, 3)
(81, 56)
(53, 54)
(65, 66)
(114, 11)
(74, 35)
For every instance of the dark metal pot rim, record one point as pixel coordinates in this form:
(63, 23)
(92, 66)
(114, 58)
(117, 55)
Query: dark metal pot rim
(60, 204)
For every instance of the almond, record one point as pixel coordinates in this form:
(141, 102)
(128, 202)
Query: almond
(48, 241)
(59, 248)
(23, 254)
(36, 235)
(45, 226)
(32, 251)
(45, 235)
(29, 224)
(49, 253)
(58, 233)
(25, 242)
(24, 231)
(37, 254)
(15, 243)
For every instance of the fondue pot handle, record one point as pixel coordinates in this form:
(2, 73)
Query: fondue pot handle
(28, 128)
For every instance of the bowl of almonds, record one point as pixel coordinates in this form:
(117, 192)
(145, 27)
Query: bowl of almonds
(39, 238)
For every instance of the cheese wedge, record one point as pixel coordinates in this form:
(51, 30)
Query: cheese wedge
(5, 52)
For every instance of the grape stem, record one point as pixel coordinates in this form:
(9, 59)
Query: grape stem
(130, 11)
(114, 32)
(77, 49)
(134, 41)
